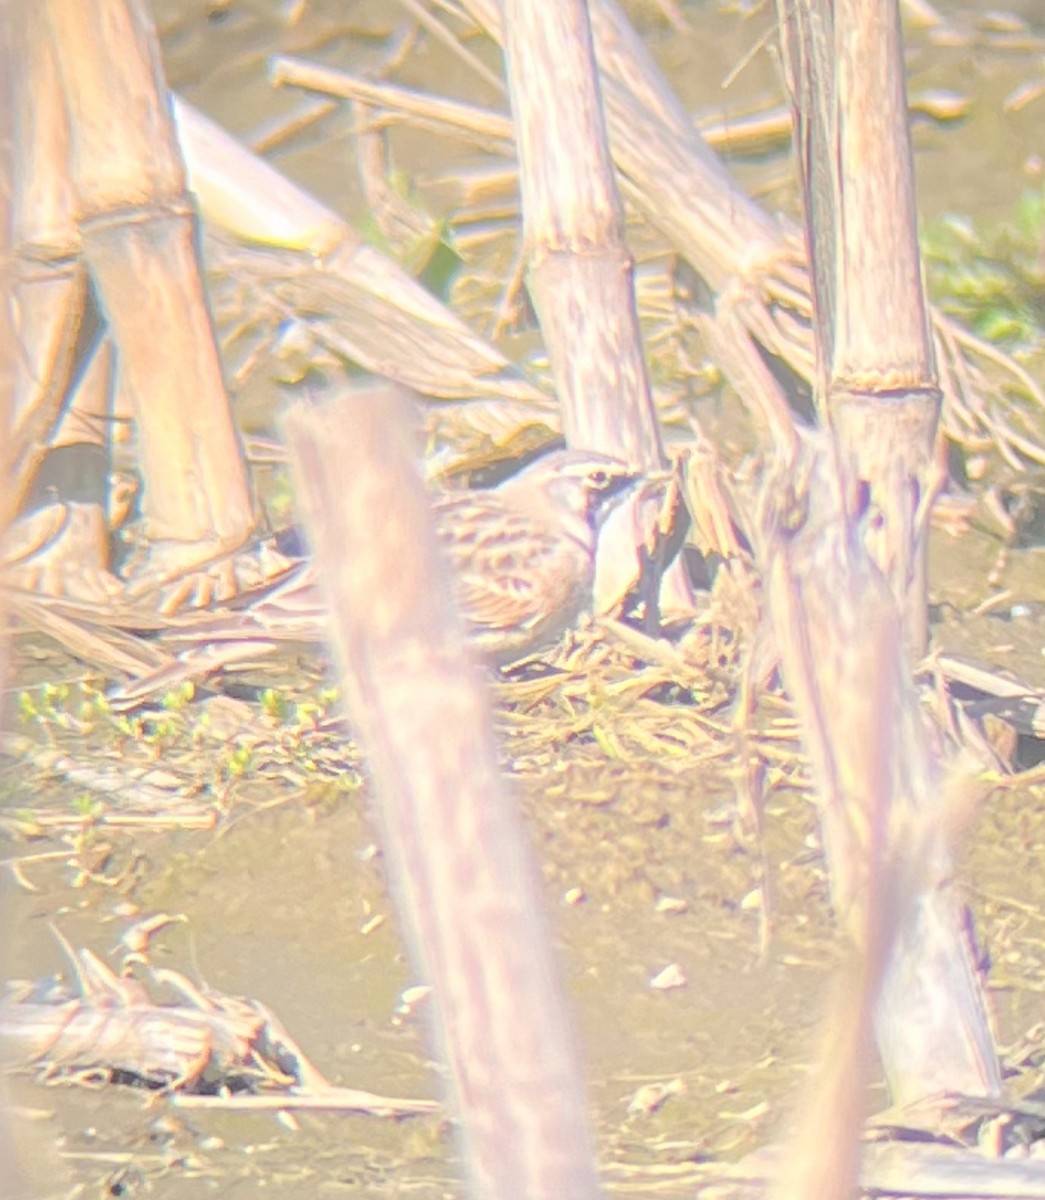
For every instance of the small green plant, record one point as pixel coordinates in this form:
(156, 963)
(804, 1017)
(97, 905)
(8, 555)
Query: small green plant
(94, 705)
(87, 807)
(279, 498)
(44, 703)
(159, 731)
(179, 698)
(991, 277)
(276, 706)
(308, 713)
(238, 762)
(129, 726)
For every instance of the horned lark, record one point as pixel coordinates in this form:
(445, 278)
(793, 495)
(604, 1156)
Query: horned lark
(522, 556)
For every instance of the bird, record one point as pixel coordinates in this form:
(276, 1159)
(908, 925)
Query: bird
(523, 553)
(522, 556)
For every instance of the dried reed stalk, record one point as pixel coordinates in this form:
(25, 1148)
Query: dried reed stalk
(13, 1183)
(51, 281)
(581, 277)
(364, 304)
(874, 347)
(681, 185)
(25, 1157)
(580, 270)
(462, 873)
(838, 630)
(879, 395)
(139, 230)
(108, 1027)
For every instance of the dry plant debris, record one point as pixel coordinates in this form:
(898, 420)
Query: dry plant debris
(206, 1048)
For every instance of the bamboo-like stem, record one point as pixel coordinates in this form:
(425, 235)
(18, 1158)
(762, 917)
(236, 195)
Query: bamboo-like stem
(462, 873)
(581, 277)
(725, 227)
(580, 270)
(876, 377)
(825, 597)
(139, 233)
(865, 257)
(888, 835)
(863, 639)
(25, 1159)
(51, 279)
(879, 380)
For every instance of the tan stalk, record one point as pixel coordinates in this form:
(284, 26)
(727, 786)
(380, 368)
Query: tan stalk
(481, 127)
(51, 284)
(886, 832)
(880, 390)
(859, 758)
(580, 269)
(871, 499)
(29, 1163)
(463, 874)
(224, 175)
(14, 1183)
(139, 231)
(724, 229)
(580, 274)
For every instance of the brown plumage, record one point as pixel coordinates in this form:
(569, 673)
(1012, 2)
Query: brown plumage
(522, 555)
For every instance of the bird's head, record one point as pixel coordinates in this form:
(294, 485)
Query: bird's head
(571, 486)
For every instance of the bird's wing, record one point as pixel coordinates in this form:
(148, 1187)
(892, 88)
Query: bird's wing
(512, 572)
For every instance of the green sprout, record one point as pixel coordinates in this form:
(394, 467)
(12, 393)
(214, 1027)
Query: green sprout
(991, 277)
(87, 806)
(179, 698)
(275, 705)
(238, 762)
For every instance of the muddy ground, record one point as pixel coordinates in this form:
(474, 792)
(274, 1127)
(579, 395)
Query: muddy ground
(646, 861)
